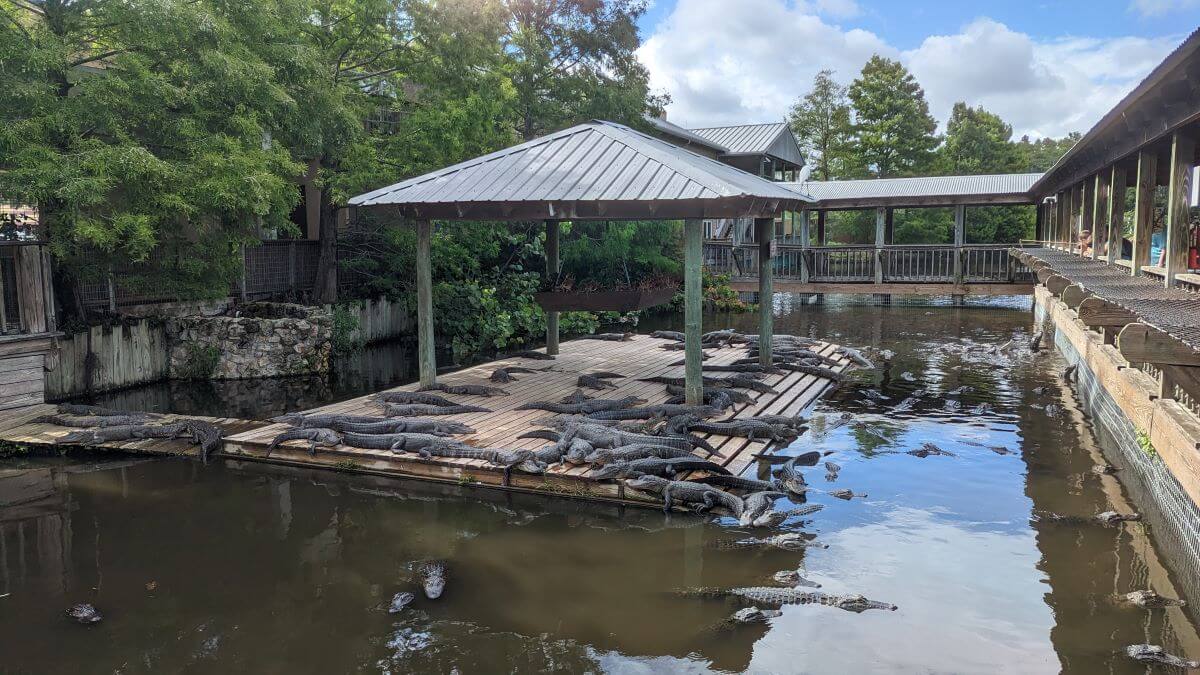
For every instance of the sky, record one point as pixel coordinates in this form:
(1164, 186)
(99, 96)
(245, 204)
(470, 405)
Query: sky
(1047, 68)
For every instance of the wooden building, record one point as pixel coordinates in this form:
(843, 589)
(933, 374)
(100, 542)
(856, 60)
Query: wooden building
(27, 321)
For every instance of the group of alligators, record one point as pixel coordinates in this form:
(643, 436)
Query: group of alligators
(95, 425)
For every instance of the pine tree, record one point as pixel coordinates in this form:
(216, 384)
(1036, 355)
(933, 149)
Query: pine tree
(894, 132)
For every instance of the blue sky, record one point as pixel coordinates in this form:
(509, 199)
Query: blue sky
(1047, 67)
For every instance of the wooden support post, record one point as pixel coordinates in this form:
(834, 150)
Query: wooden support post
(804, 244)
(693, 236)
(880, 233)
(889, 230)
(1064, 218)
(552, 269)
(1099, 207)
(766, 290)
(1086, 215)
(1143, 210)
(1140, 343)
(1183, 153)
(960, 235)
(1039, 222)
(426, 359)
(1118, 182)
(821, 239)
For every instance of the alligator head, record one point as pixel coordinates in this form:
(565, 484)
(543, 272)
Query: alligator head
(648, 483)
(857, 603)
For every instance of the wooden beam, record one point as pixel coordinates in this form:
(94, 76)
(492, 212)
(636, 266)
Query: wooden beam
(552, 270)
(1140, 343)
(1118, 182)
(1143, 210)
(693, 235)
(1057, 283)
(766, 293)
(1086, 214)
(1095, 312)
(1099, 207)
(1183, 157)
(426, 358)
(1074, 294)
(1043, 273)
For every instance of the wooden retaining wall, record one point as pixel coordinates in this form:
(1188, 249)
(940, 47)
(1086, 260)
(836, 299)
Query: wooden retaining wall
(22, 370)
(104, 358)
(382, 319)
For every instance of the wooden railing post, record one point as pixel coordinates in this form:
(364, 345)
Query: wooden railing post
(1143, 210)
(1183, 153)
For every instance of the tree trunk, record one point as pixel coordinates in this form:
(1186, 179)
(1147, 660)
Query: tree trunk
(325, 287)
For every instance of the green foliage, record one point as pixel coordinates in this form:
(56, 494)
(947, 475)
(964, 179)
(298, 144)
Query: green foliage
(821, 121)
(345, 327)
(9, 449)
(978, 142)
(894, 132)
(1040, 155)
(610, 254)
(199, 363)
(1143, 440)
(717, 295)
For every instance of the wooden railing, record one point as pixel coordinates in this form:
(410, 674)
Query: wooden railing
(987, 263)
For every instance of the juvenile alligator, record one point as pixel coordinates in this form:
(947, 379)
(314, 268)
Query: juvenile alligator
(662, 410)
(711, 393)
(928, 450)
(771, 595)
(656, 466)
(398, 426)
(418, 410)
(669, 335)
(593, 382)
(697, 496)
(97, 411)
(326, 437)
(505, 374)
(610, 337)
(414, 397)
(1151, 600)
(432, 575)
(584, 407)
(757, 504)
(530, 354)
(1104, 518)
(626, 453)
(1156, 654)
(791, 541)
(467, 389)
(90, 421)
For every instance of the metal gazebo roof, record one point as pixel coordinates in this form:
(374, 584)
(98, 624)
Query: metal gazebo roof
(595, 170)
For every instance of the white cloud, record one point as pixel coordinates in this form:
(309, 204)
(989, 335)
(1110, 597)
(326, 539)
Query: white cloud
(1160, 7)
(729, 63)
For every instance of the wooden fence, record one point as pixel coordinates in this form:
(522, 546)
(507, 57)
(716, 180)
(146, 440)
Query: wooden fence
(382, 319)
(104, 358)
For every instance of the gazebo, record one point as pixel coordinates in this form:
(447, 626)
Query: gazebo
(593, 171)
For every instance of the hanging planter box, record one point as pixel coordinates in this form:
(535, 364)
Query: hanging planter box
(604, 301)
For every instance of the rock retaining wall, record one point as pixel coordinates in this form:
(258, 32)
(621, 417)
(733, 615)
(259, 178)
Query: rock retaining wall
(261, 340)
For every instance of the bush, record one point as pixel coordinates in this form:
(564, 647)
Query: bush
(200, 362)
(345, 326)
(717, 295)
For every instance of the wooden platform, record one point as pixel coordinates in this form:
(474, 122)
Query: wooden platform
(640, 357)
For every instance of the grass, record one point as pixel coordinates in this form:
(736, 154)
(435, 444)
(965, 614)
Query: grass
(1143, 440)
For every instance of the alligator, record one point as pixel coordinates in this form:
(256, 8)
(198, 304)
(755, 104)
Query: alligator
(716, 399)
(797, 355)
(711, 393)
(593, 382)
(792, 480)
(578, 452)
(610, 337)
(794, 579)
(791, 541)
(845, 494)
(1068, 373)
(1104, 469)
(704, 356)
(770, 519)
(749, 615)
(737, 382)
(584, 407)
(418, 410)
(400, 601)
(90, 421)
(606, 375)
(831, 471)
(602, 436)
(577, 397)
(508, 459)
(697, 496)
(737, 483)
(808, 369)
(397, 442)
(320, 420)
(1156, 654)
(432, 575)
(467, 389)
(856, 357)
(123, 433)
(757, 504)
(806, 510)
(727, 336)
(669, 335)
(771, 595)
(661, 410)
(505, 374)
(207, 435)
(97, 411)
(1104, 518)
(530, 354)
(747, 428)
(402, 425)
(928, 450)
(326, 437)
(1035, 342)
(85, 614)
(414, 397)
(626, 453)
(793, 421)
(1151, 600)
(657, 466)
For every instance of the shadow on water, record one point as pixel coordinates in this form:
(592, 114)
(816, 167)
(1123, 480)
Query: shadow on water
(241, 567)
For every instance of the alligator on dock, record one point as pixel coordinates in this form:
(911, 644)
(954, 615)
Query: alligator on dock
(757, 505)
(656, 466)
(97, 411)
(418, 410)
(594, 382)
(414, 397)
(505, 374)
(609, 337)
(530, 354)
(466, 389)
(316, 436)
(583, 407)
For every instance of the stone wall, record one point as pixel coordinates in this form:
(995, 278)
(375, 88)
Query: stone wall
(255, 340)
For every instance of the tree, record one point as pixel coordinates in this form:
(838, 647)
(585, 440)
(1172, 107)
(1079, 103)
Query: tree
(140, 128)
(977, 142)
(821, 120)
(894, 132)
(1041, 154)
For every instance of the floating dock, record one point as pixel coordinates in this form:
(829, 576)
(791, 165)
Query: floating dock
(637, 358)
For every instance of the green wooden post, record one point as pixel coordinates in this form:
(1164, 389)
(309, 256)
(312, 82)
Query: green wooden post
(1183, 152)
(427, 362)
(693, 242)
(766, 290)
(1143, 210)
(552, 270)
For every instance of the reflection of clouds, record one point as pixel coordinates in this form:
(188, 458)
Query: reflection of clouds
(970, 602)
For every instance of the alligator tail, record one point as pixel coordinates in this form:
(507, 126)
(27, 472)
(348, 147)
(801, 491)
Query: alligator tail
(542, 433)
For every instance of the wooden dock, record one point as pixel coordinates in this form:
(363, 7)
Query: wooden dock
(640, 357)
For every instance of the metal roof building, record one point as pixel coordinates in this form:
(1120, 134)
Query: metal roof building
(925, 191)
(685, 137)
(774, 139)
(595, 170)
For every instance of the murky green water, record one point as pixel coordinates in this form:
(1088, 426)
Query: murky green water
(244, 568)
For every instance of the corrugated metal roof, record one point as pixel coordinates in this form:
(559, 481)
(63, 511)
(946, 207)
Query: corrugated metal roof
(685, 135)
(593, 170)
(1013, 186)
(774, 139)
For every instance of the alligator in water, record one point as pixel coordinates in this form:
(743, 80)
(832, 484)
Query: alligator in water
(97, 411)
(584, 407)
(326, 437)
(791, 541)
(794, 579)
(790, 479)
(845, 494)
(831, 471)
(1069, 372)
(1104, 469)
(85, 614)
(930, 450)
(419, 410)
(856, 357)
(414, 397)
(1105, 518)
(757, 504)
(627, 453)
(1156, 654)
(530, 354)
(696, 496)
(467, 389)
(656, 466)
(594, 382)
(400, 601)
(432, 575)
(770, 595)
(1151, 600)
(610, 337)
(1035, 342)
